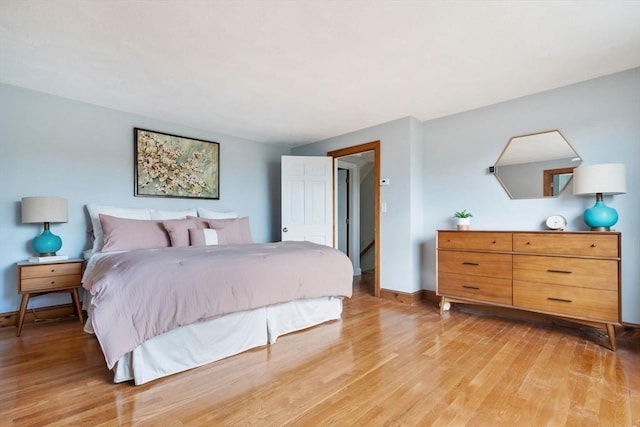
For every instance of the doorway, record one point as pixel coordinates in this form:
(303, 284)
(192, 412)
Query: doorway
(343, 212)
(361, 161)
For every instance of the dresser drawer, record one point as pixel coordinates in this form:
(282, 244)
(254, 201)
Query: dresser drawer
(482, 289)
(589, 244)
(48, 270)
(584, 303)
(486, 241)
(580, 272)
(46, 283)
(475, 263)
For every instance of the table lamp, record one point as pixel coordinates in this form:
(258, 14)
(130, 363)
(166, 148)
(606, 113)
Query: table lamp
(45, 210)
(606, 178)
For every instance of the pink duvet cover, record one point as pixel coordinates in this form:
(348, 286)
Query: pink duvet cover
(140, 294)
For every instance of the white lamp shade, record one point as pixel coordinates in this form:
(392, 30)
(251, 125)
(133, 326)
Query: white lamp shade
(605, 178)
(44, 209)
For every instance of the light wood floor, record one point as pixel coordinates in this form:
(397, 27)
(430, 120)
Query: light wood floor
(385, 363)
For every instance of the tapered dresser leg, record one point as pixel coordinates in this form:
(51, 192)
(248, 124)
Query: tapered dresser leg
(611, 330)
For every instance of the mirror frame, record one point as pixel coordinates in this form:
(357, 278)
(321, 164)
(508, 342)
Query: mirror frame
(548, 174)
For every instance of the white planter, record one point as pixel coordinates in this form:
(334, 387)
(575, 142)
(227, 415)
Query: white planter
(463, 223)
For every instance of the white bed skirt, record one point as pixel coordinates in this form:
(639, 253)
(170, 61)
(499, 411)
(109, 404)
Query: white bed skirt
(200, 343)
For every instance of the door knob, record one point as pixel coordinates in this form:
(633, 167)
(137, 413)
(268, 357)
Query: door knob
(284, 230)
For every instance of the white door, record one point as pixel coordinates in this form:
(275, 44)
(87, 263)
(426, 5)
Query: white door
(307, 199)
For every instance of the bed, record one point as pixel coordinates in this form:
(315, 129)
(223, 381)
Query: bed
(160, 310)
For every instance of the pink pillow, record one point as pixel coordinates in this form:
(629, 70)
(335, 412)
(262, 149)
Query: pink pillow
(178, 230)
(122, 234)
(234, 231)
(201, 221)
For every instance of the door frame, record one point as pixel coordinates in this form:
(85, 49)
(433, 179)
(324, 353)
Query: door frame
(547, 180)
(375, 147)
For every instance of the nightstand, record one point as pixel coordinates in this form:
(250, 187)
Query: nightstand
(42, 278)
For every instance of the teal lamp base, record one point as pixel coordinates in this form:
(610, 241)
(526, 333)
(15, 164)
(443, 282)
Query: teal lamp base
(46, 244)
(600, 217)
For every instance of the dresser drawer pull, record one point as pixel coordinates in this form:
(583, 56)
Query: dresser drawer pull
(470, 263)
(559, 299)
(471, 287)
(559, 271)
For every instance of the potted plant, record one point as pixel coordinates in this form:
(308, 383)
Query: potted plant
(463, 219)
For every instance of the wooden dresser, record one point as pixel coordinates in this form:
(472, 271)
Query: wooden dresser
(572, 275)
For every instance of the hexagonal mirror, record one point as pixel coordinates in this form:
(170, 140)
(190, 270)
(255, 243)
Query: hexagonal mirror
(536, 165)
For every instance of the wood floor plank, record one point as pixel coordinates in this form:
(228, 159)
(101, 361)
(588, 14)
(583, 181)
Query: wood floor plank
(384, 363)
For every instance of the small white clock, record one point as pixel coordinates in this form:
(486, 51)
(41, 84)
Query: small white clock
(556, 222)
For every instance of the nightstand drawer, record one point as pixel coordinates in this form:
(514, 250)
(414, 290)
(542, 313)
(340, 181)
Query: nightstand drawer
(592, 244)
(583, 303)
(475, 264)
(580, 272)
(37, 284)
(486, 241)
(475, 287)
(49, 270)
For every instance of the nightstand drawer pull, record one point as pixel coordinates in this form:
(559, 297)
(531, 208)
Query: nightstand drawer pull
(470, 263)
(471, 287)
(560, 271)
(559, 299)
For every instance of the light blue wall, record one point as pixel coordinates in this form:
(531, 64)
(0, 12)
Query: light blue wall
(416, 214)
(601, 120)
(367, 220)
(51, 146)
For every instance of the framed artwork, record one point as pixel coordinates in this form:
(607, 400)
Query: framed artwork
(175, 166)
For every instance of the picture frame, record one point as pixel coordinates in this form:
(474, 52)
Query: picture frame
(167, 165)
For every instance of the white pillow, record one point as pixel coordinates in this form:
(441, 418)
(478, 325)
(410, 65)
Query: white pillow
(95, 210)
(206, 213)
(203, 237)
(210, 236)
(162, 215)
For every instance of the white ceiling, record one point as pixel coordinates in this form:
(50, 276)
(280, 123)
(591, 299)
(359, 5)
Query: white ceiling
(293, 72)
(540, 147)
